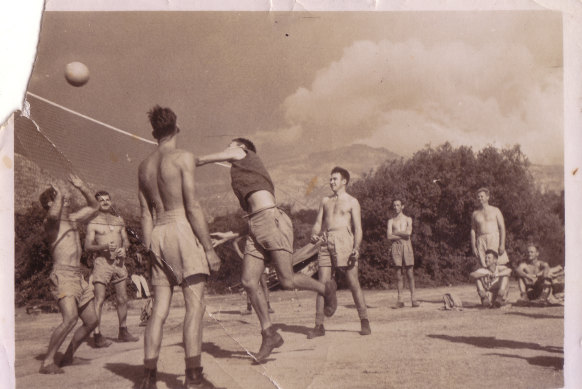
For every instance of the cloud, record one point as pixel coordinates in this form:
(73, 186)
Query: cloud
(404, 95)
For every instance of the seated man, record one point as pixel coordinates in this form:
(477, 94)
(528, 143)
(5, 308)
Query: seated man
(536, 278)
(492, 281)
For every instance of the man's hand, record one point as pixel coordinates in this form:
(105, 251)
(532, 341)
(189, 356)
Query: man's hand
(501, 250)
(213, 260)
(315, 238)
(219, 238)
(75, 181)
(120, 252)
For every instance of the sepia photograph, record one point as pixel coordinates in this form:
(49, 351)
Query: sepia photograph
(296, 197)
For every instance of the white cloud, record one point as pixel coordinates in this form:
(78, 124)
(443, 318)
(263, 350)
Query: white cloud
(404, 95)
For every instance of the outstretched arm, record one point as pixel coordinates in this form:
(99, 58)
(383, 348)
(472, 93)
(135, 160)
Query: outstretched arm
(228, 155)
(53, 218)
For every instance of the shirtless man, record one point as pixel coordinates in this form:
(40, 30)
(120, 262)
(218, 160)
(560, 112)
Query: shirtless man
(399, 231)
(536, 278)
(175, 230)
(488, 230)
(107, 239)
(270, 238)
(492, 281)
(73, 294)
(339, 219)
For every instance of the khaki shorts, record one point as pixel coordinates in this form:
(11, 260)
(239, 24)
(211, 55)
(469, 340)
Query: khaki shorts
(68, 281)
(108, 270)
(490, 242)
(336, 249)
(174, 243)
(402, 253)
(270, 230)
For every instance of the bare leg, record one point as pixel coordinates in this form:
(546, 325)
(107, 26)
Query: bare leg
(153, 332)
(357, 294)
(121, 298)
(68, 307)
(399, 283)
(410, 276)
(251, 274)
(99, 290)
(324, 276)
(89, 318)
(265, 286)
(194, 301)
(284, 265)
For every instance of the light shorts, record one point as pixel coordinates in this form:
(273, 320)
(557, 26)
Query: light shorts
(402, 253)
(337, 248)
(68, 281)
(270, 230)
(108, 270)
(174, 243)
(490, 242)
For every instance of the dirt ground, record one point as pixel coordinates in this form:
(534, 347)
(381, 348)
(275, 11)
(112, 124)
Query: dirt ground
(426, 347)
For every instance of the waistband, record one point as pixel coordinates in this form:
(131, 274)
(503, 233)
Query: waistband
(250, 215)
(339, 229)
(170, 216)
(487, 234)
(69, 268)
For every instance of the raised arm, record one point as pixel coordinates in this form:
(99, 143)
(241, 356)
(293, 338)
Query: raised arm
(88, 211)
(357, 223)
(228, 155)
(194, 211)
(316, 229)
(501, 226)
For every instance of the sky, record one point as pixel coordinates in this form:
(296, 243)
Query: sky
(303, 82)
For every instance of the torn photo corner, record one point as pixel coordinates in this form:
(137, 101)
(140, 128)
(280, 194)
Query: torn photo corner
(381, 89)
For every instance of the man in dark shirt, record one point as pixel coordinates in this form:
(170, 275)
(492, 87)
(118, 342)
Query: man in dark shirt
(270, 238)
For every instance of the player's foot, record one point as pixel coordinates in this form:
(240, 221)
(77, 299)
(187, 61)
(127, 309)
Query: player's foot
(485, 302)
(415, 304)
(125, 336)
(318, 330)
(330, 298)
(50, 369)
(67, 358)
(149, 380)
(101, 341)
(366, 330)
(399, 304)
(523, 299)
(271, 340)
(271, 310)
(196, 380)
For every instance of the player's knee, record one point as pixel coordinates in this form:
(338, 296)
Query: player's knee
(121, 300)
(70, 321)
(249, 283)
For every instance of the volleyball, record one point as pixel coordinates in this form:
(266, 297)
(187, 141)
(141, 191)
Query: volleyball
(77, 73)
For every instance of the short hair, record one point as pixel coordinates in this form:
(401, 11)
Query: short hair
(493, 252)
(343, 172)
(163, 121)
(484, 190)
(46, 197)
(102, 193)
(535, 246)
(398, 198)
(246, 143)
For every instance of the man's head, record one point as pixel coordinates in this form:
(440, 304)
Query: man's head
(532, 252)
(397, 205)
(104, 200)
(491, 258)
(339, 178)
(47, 198)
(163, 121)
(483, 196)
(244, 143)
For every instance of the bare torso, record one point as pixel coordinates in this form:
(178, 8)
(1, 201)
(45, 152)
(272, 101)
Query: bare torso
(337, 211)
(485, 220)
(160, 179)
(108, 229)
(260, 200)
(400, 223)
(66, 248)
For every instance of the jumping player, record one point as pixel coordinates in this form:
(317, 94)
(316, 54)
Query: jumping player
(73, 294)
(270, 238)
(107, 239)
(339, 219)
(399, 231)
(175, 229)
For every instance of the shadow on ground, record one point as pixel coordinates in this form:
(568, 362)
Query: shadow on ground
(135, 373)
(544, 361)
(535, 315)
(492, 342)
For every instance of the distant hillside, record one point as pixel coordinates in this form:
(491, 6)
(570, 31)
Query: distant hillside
(548, 178)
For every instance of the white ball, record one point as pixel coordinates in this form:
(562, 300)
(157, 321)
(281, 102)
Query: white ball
(77, 73)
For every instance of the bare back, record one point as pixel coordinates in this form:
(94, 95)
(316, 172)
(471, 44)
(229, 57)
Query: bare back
(161, 179)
